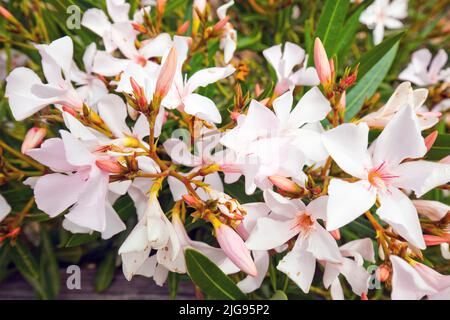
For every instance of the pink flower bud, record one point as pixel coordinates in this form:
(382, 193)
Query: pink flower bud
(433, 210)
(69, 110)
(431, 139)
(161, 6)
(183, 28)
(364, 296)
(166, 75)
(33, 138)
(336, 234)
(321, 62)
(235, 249)
(285, 184)
(111, 166)
(383, 272)
(191, 201)
(221, 24)
(431, 240)
(5, 13)
(342, 102)
(139, 27)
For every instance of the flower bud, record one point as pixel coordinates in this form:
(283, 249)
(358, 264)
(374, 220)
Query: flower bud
(431, 240)
(166, 75)
(5, 13)
(285, 184)
(221, 24)
(161, 6)
(33, 138)
(336, 234)
(433, 210)
(70, 111)
(139, 27)
(183, 28)
(234, 248)
(191, 201)
(111, 166)
(364, 296)
(431, 139)
(383, 272)
(342, 102)
(322, 63)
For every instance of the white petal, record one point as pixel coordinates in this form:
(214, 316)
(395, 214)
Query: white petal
(347, 145)
(336, 290)
(250, 284)
(179, 153)
(397, 210)
(421, 176)
(270, 233)
(323, 246)
(282, 106)
(96, 20)
(202, 107)
(293, 55)
(113, 110)
(391, 146)
(5, 208)
(205, 77)
(52, 154)
(363, 247)
(118, 10)
(107, 65)
(312, 107)
(347, 201)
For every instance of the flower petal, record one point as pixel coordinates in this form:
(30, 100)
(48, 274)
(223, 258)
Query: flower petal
(202, 107)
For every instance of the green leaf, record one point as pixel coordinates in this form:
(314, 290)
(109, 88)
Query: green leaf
(441, 148)
(330, 24)
(173, 280)
(105, 272)
(28, 267)
(5, 259)
(368, 84)
(49, 269)
(348, 32)
(371, 58)
(279, 295)
(210, 279)
(80, 238)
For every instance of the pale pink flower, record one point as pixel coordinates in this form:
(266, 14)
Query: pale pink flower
(26, 92)
(284, 63)
(18, 59)
(382, 173)
(413, 282)
(289, 219)
(5, 208)
(228, 40)
(425, 71)
(384, 14)
(322, 63)
(352, 268)
(33, 138)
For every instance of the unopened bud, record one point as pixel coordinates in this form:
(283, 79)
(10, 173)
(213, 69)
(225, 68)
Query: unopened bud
(431, 139)
(33, 138)
(322, 63)
(191, 201)
(139, 27)
(70, 111)
(111, 166)
(364, 296)
(234, 248)
(342, 102)
(336, 234)
(6, 14)
(383, 272)
(161, 6)
(431, 240)
(166, 75)
(183, 28)
(285, 184)
(221, 24)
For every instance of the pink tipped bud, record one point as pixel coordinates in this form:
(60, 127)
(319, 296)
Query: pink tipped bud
(221, 24)
(111, 166)
(161, 6)
(342, 102)
(265, 101)
(364, 296)
(285, 184)
(331, 62)
(70, 111)
(137, 90)
(258, 90)
(431, 139)
(183, 28)
(33, 138)
(383, 272)
(234, 248)
(5, 13)
(336, 234)
(321, 62)
(431, 240)
(166, 75)
(139, 27)
(191, 201)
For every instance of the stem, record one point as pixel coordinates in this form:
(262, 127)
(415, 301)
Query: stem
(21, 156)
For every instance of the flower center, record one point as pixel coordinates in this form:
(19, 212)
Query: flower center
(379, 178)
(305, 223)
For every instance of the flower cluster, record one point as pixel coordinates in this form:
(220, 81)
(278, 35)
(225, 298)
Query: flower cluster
(137, 120)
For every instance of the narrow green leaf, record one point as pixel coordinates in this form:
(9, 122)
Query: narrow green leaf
(330, 24)
(26, 264)
(49, 269)
(368, 84)
(279, 295)
(210, 279)
(174, 279)
(105, 272)
(78, 239)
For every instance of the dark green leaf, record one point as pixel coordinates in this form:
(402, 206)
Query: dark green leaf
(80, 238)
(105, 273)
(209, 278)
(49, 269)
(279, 295)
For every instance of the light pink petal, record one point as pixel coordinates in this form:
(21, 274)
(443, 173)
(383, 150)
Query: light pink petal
(5, 208)
(179, 153)
(378, 33)
(299, 265)
(438, 62)
(322, 245)
(347, 201)
(66, 188)
(356, 275)
(421, 176)
(107, 65)
(52, 154)
(392, 23)
(391, 147)
(318, 208)
(397, 210)
(347, 145)
(202, 107)
(282, 106)
(250, 284)
(118, 10)
(177, 188)
(310, 143)
(305, 77)
(157, 46)
(282, 206)
(293, 55)
(273, 55)
(76, 153)
(336, 290)
(255, 211)
(114, 224)
(312, 107)
(398, 9)
(96, 20)
(363, 247)
(113, 110)
(57, 55)
(205, 77)
(270, 233)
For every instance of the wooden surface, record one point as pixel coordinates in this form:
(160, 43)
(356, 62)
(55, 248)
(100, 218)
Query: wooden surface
(138, 288)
